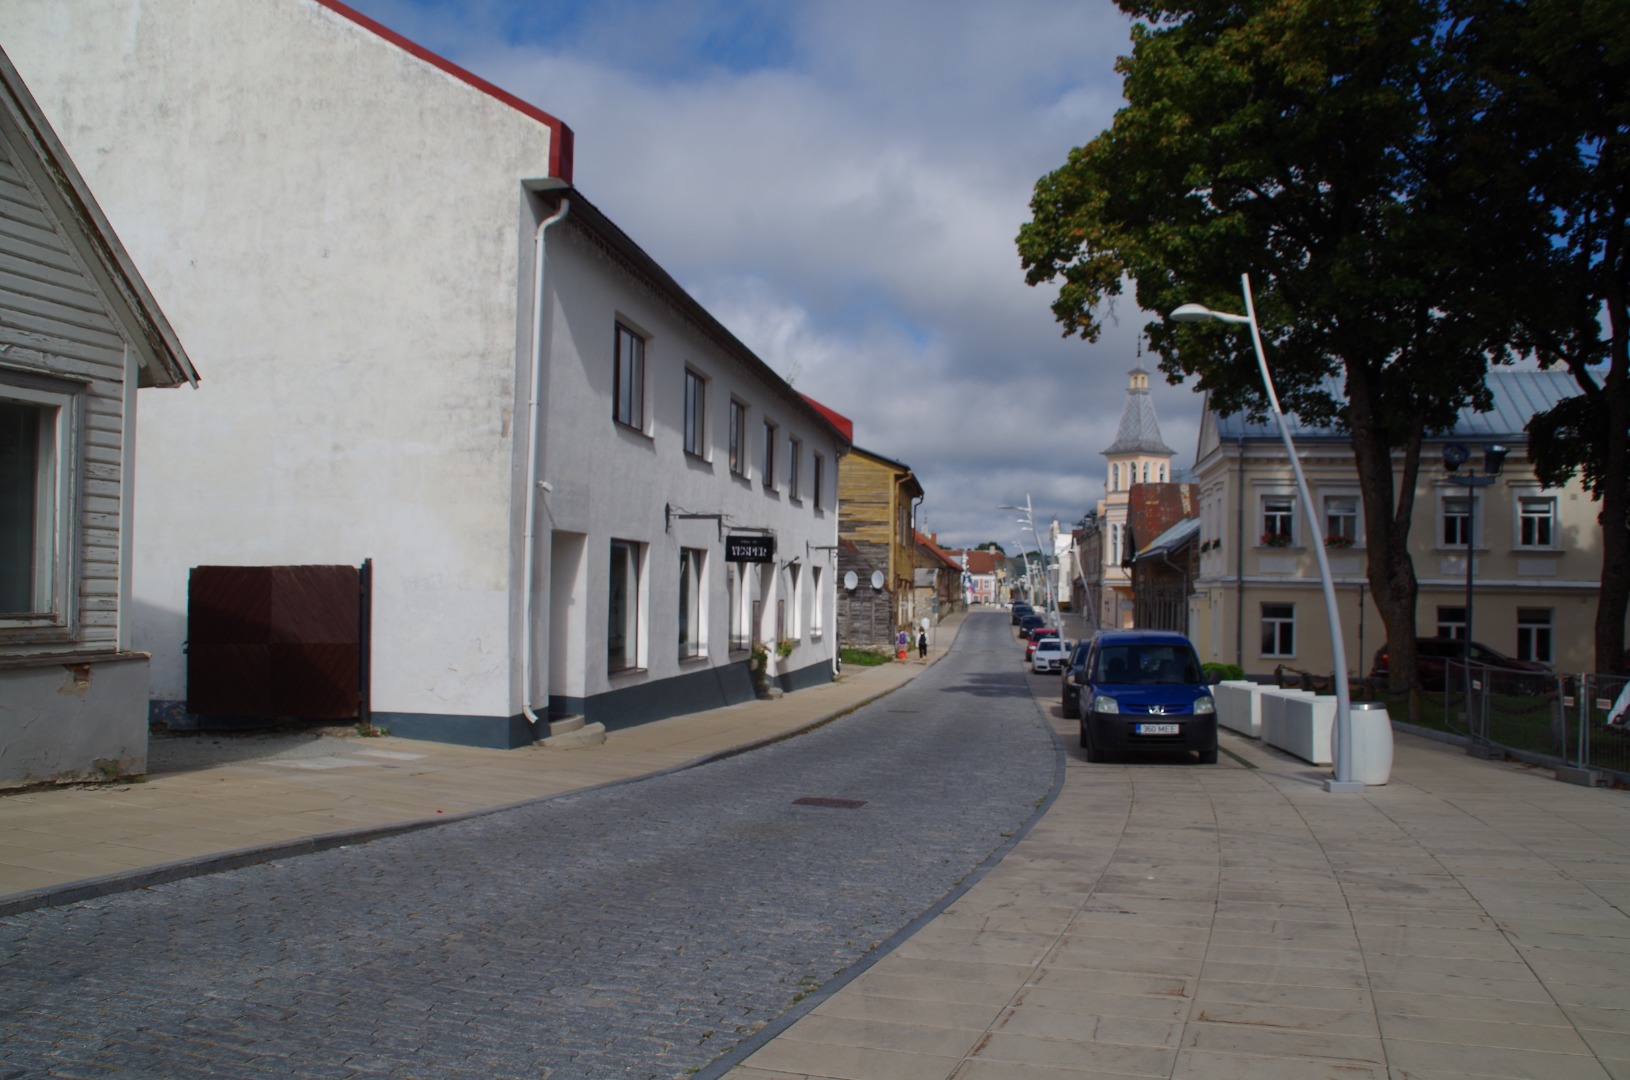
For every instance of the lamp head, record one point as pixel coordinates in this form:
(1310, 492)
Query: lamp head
(1454, 456)
(1192, 313)
(1494, 458)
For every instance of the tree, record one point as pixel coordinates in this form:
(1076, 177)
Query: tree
(991, 545)
(1328, 148)
(1557, 74)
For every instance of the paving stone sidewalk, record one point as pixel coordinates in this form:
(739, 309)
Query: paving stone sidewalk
(1467, 919)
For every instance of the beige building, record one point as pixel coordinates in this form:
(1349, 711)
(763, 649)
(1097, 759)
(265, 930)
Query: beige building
(1536, 551)
(1137, 456)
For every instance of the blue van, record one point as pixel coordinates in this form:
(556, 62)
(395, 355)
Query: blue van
(1143, 690)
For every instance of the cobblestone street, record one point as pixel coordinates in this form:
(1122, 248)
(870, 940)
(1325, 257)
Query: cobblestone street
(638, 930)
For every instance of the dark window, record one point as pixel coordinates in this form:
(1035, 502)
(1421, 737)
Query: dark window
(628, 392)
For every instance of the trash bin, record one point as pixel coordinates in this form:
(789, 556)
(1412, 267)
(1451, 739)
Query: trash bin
(1372, 743)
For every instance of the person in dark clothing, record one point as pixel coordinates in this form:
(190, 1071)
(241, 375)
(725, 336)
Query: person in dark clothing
(922, 644)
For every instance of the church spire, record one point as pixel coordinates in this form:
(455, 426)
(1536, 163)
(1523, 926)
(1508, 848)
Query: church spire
(1139, 432)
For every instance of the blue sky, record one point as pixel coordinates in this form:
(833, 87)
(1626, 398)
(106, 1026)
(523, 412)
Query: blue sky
(840, 183)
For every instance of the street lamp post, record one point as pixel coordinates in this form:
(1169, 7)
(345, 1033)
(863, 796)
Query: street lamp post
(1454, 456)
(1343, 781)
(1030, 519)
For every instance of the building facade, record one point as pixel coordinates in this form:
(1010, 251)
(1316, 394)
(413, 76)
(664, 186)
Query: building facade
(80, 336)
(1536, 551)
(877, 557)
(550, 453)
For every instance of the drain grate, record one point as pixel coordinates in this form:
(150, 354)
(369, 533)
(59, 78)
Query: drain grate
(836, 804)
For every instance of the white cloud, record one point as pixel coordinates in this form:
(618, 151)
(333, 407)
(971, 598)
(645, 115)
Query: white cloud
(840, 183)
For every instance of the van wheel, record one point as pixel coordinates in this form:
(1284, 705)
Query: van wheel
(1208, 757)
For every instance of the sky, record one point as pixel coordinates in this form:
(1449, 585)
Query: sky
(840, 182)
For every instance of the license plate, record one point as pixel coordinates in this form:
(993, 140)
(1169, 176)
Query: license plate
(1157, 729)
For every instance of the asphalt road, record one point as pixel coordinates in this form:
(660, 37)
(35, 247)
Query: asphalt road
(641, 930)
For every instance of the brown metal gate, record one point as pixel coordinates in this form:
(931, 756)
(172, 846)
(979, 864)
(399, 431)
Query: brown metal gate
(284, 641)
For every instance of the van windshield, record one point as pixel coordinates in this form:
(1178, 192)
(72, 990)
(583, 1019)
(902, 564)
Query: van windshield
(1146, 665)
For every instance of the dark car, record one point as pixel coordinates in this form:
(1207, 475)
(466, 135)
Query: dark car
(1020, 610)
(1075, 671)
(1433, 655)
(1143, 691)
(1028, 623)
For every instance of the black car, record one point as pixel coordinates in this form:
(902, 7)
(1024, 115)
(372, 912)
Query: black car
(1020, 610)
(1075, 673)
(1435, 655)
(1028, 623)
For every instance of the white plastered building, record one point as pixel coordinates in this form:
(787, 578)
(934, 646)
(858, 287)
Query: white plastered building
(412, 366)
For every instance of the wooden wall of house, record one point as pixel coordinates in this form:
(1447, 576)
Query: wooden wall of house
(72, 347)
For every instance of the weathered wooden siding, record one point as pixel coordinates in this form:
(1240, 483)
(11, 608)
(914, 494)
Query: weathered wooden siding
(53, 324)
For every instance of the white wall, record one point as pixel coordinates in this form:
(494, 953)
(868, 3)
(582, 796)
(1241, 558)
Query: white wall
(611, 482)
(335, 229)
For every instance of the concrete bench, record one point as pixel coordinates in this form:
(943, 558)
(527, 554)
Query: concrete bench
(1299, 723)
(1239, 706)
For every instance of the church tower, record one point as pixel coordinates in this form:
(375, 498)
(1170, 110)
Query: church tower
(1137, 456)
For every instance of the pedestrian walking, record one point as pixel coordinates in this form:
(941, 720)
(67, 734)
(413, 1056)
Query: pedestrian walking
(922, 645)
(902, 642)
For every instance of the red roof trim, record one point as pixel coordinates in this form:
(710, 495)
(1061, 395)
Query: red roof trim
(561, 139)
(833, 417)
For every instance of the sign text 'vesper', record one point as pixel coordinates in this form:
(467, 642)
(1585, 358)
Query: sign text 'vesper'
(749, 548)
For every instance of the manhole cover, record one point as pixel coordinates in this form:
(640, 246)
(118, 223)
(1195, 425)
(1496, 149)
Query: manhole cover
(837, 804)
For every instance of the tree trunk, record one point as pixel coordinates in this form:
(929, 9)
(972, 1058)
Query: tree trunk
(1387, 518)
(1614, 599)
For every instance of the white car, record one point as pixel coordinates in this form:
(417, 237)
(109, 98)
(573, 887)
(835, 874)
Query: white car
(1049, 657)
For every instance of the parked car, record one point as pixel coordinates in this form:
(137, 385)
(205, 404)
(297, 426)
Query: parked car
(1034, 636)
(1144, 691)
(1028, 623)
(1433, 655)
(1020, 610)
(1048, 656)
(1075, 670)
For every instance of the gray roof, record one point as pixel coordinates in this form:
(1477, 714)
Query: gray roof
(1518, 395)
(1139, 432)
(1170, 540)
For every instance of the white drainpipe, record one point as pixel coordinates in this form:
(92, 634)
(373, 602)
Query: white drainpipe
(532, 482)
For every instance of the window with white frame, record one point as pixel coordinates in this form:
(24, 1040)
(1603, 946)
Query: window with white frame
(38, 435)
(1278, 629)
(1278, 519)
(736, 586)
(695, 414)
(817, 622)
(795, 589)
(768, 469)
(1114, 476)
(738, 438)
(624, 603)
(819, 480)
(692, 597)
(1536, 521)
(795, 456)
(1534, 634)
(1451, 622)
(1456, 523)
(628, 390)
(1340, 520)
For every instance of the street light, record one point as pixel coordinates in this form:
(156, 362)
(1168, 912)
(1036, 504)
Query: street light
(1343, 781)
(1454, 456)
(1030, 520)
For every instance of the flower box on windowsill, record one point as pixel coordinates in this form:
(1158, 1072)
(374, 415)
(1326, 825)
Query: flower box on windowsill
(1338, 542)
(1274, 540)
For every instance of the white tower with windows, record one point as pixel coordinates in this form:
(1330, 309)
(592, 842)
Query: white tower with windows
(1137, 456)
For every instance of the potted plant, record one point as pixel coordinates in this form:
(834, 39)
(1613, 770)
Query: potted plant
(1276, 540)
(1338, 541)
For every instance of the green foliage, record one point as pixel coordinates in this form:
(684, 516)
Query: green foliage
(1214, 671)
(864, 657)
